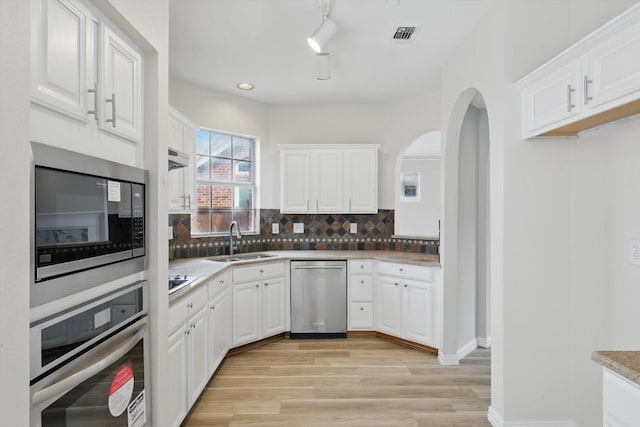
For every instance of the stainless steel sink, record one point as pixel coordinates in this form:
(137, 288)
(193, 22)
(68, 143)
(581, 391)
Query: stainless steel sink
(178, 282)
(241, 257)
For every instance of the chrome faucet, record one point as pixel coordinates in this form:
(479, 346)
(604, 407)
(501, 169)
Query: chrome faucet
(239, 235)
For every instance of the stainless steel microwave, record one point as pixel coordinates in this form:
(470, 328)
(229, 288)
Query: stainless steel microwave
(88, 222)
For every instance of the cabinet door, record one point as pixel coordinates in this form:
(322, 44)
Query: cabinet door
(614, 66)
(388, 305)
(418, 312)
(361, 316)
(59, 57)
(273, 307)
(247, 313)
(219, 330)
(361, 181)
(198, 350)
(177, 377)
(328, 182)
(294, 181)
(122, 87)
(556, 97)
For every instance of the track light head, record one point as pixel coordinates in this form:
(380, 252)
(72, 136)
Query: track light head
(321, 36)
(322, 66)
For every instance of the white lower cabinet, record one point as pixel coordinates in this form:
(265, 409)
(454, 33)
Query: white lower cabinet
(259, 302)
(188, 352)
(219, 320)
(406, 302)
(360, 291)
(621, 400)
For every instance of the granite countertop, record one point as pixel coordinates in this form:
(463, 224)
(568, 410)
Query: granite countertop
(624, 363)
(207, 267)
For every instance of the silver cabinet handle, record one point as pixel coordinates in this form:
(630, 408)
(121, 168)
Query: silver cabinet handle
(257, 286)
(405, 285)
(261, 271)
(361, 266)
(569, 104)
(362, 281)
(189, 199)
(112, 120)
(213, 307)
(587, 98)
(266, 284)
(361, 308)
(396, 284)
(94, 91)
(401, 269)
(184, 201)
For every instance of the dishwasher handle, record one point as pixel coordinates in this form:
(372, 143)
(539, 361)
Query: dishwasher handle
(318, 267)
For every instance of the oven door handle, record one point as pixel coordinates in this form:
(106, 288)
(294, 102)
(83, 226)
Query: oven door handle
(63, 386)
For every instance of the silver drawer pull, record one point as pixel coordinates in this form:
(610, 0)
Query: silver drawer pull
(94, 91)
(587, 98)
(569, 104)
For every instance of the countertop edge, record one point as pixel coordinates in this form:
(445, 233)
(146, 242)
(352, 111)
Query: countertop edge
(187, 265)
(623, 363)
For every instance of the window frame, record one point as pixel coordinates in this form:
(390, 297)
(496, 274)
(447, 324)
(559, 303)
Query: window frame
(253, 184)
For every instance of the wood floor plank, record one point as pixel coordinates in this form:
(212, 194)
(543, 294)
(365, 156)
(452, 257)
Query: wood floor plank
(359, 381)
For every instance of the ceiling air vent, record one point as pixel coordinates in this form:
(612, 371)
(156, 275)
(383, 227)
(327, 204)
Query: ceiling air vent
(404, 33)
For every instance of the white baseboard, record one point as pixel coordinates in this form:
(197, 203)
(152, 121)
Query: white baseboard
(467, 348)
(497, 421)
(494, 418)
(448, 359)
(484, 342)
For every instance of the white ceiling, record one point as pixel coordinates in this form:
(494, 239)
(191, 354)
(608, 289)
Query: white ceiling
(219, 43)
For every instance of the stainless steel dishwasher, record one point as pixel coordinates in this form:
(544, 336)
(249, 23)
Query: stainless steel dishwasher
(318, 299)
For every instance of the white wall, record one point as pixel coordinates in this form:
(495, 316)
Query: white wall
(14, 222)
(547, 284)
(419, 217)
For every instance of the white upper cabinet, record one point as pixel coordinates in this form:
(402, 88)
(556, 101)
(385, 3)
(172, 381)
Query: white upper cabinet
(122, 87)
(553, 98)
(79, 61)
(614, 66)
(294, 181)
(329, 178)
(361, 180)
(596, 81)
(59, 57)
(181, 183)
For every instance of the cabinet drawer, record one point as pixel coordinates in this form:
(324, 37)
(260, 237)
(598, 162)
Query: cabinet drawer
(258, 272)
(360, 267)
(185, 307)
(361, 315)
(360, 288)
(218, 284)
(406, 271)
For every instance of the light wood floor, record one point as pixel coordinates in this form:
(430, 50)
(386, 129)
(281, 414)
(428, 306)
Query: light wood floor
(359, 381)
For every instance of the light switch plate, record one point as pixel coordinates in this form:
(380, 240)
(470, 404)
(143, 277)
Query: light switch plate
(634, 252)
(170, 233)
(298, 227)
(353, 227)
(275, 228)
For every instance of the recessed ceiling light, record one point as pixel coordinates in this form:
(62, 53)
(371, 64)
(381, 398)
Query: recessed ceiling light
(244, 86)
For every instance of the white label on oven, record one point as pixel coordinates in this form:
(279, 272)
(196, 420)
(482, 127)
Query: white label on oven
(136, 412)
(121, 391)
(113, 191)
(101, 318)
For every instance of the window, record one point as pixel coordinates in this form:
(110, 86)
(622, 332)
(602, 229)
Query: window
(226, 189)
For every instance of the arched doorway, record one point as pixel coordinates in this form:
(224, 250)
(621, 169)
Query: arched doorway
(465, 249)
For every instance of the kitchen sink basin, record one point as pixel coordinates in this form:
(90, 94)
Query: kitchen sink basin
(241, 257)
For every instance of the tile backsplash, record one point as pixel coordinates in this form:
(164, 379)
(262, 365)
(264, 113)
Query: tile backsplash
(321, 232)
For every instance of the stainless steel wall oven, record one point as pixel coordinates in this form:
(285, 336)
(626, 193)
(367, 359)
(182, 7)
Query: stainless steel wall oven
(88, 214)
(88, 363)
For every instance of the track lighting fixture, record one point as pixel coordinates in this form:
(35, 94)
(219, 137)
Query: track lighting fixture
(322, 66)
(327, 29)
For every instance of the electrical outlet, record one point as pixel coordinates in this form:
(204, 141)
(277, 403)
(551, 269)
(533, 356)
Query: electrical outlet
(353, 227)
(298, 227)
(275, 228)
(634, 252)
(170, 233)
